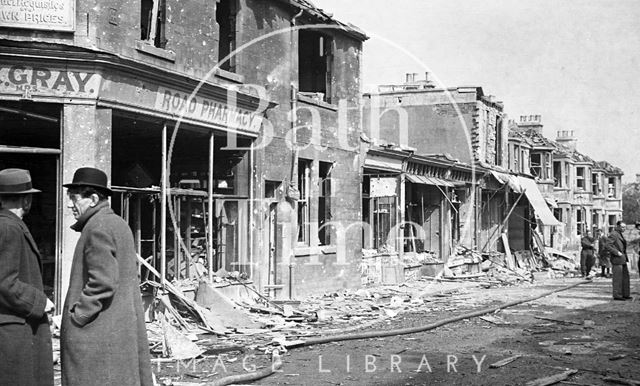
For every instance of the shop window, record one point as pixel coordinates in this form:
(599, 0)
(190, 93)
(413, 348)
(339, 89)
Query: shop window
(304, 209)
(580, 179)
(536, 165)
(324, 203)
(383, 221)
(557, 174)
(315, 62)
(153, 19)
(226, 11)
(611, 188)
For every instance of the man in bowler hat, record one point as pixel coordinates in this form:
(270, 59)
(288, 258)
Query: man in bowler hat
(103, 337)
(26, 357)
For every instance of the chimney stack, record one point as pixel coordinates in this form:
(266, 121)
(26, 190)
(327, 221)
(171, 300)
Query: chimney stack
(567, 139)
(530, 122)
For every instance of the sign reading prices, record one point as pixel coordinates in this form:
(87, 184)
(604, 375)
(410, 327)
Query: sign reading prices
(53, 15)
(207, 110)
(31, 81)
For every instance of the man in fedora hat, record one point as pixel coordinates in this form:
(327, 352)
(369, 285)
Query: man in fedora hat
(26, 357)
(103, 337)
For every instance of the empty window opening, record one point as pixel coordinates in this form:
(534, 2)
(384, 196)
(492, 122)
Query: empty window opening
(315, 57)
(153, 19)
(536, 165)
(226, 11)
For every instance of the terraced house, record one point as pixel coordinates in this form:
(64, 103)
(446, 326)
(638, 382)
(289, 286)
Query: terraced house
(584, 194)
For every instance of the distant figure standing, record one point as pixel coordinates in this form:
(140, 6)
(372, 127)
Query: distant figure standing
(617, 247)
(603, 254)
(103, 337)
(587, 259)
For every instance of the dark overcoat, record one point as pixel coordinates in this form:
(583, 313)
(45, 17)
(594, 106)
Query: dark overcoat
(25, 340)
(103, 337)
(617, 248)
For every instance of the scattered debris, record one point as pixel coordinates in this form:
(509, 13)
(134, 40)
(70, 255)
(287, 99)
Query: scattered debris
(504, 362)
(621, 381)
(551, 379)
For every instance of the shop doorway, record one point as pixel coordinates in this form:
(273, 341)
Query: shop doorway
(30, 139)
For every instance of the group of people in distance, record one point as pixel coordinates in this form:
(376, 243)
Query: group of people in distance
(612, 258)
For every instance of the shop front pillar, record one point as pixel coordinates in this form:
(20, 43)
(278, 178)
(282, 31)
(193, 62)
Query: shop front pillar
(86, 142)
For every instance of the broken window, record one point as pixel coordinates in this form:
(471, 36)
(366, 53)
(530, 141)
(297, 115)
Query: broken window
(536, 165)
(557, 174)
(596, 186)
(304, 210)
(612, 222)
(324, 203)
(498, 149)
(153, 18)
(557, 213)
(383, 221)
(226, 11)
(580, 221)
(315, 62)
(611, 189)
(580, 179)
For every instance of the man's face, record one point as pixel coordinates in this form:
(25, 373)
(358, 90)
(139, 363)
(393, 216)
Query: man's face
(622, 227)
(78, 204)
(588, 233)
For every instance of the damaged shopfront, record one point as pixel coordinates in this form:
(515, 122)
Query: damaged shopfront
(416, 210)
(180, 167)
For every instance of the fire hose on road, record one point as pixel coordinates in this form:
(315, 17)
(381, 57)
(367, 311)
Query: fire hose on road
(277, 364)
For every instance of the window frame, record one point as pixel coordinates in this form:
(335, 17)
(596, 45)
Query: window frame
(303, 204)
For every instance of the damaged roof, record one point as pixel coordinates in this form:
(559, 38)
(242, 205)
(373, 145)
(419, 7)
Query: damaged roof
(608, 168)
(532, 138)
(326, 17)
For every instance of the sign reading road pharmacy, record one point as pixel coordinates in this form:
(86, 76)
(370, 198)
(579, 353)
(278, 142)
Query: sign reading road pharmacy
(52, 15)
(29, 81)
(178, 104)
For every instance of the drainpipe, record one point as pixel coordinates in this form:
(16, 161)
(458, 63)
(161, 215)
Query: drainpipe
(294, 106)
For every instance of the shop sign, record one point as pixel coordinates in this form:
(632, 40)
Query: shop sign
(179, 104)
(383, 187)
(31, 81)
(52, 15)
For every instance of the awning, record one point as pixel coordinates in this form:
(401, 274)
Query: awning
(380, 163)
(538, 202)
(509, 179)
(428, 180)
(551, 201)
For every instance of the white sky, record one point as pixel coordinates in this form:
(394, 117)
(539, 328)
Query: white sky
(575, 62)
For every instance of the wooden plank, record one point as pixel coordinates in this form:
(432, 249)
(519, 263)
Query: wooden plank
(551, 379)
(504, 362)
